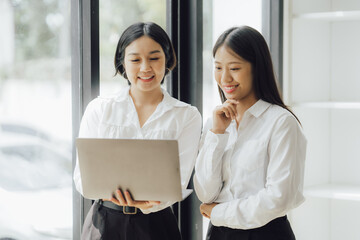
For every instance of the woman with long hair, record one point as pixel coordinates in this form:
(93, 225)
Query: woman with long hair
(250, 168)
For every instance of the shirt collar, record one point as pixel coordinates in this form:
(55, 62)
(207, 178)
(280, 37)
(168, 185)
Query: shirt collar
(123, 95)
(167, 102)
(258, 108)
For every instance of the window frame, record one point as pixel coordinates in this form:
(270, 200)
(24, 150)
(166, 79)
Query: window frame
(85, 70)
(185, 28)
(273, 32)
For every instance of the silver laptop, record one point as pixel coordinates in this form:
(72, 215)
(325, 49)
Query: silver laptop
(149, 169)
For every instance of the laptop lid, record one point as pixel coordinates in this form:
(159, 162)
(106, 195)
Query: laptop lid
(149, 169)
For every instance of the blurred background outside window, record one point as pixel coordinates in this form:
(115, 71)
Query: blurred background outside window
(35, 120)
(218, 17)
(115, 17)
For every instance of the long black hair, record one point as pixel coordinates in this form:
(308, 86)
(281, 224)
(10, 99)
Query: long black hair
(249, 44)
(136, 31)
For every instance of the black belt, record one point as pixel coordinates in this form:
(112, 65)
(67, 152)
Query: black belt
(123, 209)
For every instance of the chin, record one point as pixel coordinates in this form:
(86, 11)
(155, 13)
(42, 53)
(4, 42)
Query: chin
(149, 87)
(231, 96)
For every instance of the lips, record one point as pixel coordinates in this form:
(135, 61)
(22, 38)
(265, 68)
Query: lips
(229, 88)
(146, 78)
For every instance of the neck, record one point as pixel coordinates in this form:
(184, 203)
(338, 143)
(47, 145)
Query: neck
(141, 98)
(244, 105)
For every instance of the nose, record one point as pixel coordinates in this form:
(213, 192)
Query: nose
(145, 66)
(226, 77)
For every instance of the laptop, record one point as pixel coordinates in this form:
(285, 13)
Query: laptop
(149, 169)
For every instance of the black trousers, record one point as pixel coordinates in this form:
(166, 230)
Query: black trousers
(277, 229)
(109, 224)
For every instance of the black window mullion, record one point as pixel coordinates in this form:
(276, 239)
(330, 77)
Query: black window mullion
(85, 82)
(272, 30)
(172, 28)
(172, 83)
(185, 27)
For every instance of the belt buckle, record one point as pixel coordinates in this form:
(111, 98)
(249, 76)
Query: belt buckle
(132, 213)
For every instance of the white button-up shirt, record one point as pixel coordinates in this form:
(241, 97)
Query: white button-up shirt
(116, 117)
(255, 172)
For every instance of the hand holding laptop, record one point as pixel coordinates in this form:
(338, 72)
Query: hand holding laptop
(126, 200)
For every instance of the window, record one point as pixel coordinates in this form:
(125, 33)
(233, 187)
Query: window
(115, 17)
(35, 120)
(217, 18)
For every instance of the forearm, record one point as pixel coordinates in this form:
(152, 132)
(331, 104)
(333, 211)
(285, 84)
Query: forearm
(252, 212)
(208, 168)
(281, 194)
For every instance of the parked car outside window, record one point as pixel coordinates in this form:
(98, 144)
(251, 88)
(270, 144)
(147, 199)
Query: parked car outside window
(35, 185)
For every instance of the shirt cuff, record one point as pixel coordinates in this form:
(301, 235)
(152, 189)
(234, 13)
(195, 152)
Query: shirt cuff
(156, 208)
(217, 215)
(145, 211)
(219, 140)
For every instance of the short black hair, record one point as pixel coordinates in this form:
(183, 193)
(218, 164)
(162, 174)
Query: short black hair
(136, 31)
(249, 44)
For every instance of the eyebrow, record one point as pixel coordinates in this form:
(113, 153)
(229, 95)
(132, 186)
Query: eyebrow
(152, 52)
(230, 62)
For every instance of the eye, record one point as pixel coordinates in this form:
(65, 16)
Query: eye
(134, 60)
(234, 69)
(217, 68)
(154, 59)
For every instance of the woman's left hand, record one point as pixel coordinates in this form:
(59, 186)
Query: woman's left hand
(206, 208)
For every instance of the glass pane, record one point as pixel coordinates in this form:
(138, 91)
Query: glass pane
(217, 18)
(115, 17)
(35, 120)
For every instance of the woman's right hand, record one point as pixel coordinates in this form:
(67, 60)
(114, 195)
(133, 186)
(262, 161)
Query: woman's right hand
(223, 115)
(126, 200)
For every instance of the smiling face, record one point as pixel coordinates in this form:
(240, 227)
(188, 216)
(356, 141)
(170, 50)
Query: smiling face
(234, 75)
(144, 64)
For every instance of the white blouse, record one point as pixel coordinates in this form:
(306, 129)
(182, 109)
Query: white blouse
(116, 117)
(255, 172)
